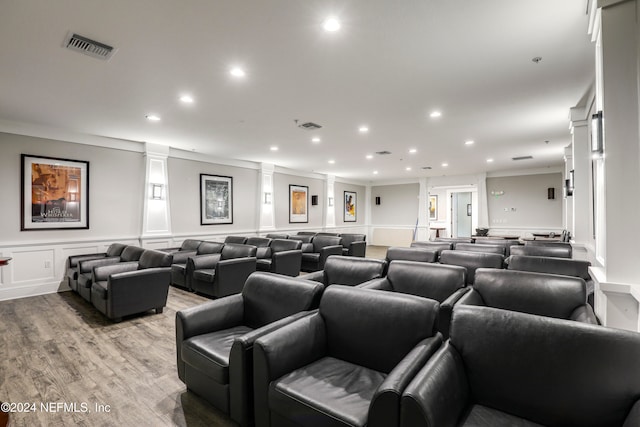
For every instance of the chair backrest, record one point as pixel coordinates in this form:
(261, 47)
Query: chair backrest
(241, 240)
(535, 293)
(258, 242)
(471, 261)
(233, 250)
(481, 247)
(507, 243)
(320, 242)
(438, 246)
(304, 238)
(549, 371)
(190, 245)
(566, 267)
(435, 281)
(277, 236)
(210, 248)
(131, 253)
(372, 328)
(306, 233)
(279, 245)
(412, 254)
(559, 251)
(454, 240)
(349, 238)
(115, 249)
(328, 234)
(351, 271)
(151, 258)
(268, 297)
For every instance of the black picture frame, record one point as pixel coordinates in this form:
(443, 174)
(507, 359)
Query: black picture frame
(216, 199)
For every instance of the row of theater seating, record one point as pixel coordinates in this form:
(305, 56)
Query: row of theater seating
(371, 357)
(122, 281)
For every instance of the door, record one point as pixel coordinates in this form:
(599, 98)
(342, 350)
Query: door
(461, 214)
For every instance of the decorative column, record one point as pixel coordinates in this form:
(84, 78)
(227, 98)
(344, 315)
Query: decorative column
(581, 165)
(367, 213)
(266, 198)
(330, 202)
(567, 197)
(157, 217)
(422, 233)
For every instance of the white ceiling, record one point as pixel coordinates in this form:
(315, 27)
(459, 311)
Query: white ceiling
(389, 66)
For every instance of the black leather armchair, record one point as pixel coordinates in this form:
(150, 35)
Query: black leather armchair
(472, 261)
(443, 283)
(563, 266)
(323, 247)
(556, 251)
(262, 244)
(347, 364)
(507, 243)
(182, 269)
(550, 295)
(71, 268)
(85, 268)
(277, 236)
(188, 245)
(420, 254)
(481, 247)
(214, 341)
(239, 240)
(343, 270)
(354, 244)
(223, 274)
(436, 246)
(127, 288)
(454, 240)
(286, 258)
(504, 368)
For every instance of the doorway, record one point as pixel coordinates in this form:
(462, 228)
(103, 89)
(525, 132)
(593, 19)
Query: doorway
(461, 214)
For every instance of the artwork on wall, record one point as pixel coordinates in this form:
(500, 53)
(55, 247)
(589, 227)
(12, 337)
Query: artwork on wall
(54, 193)
(433, 208)
(298, 203)
(216, 199)
(350, 198)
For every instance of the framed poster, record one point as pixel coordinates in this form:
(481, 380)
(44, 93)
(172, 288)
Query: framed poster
(298, 203)
(216, 199)
(350, 199)
(54, 193)
(433, 207)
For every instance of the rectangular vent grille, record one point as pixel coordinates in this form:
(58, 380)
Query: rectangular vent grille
(383, 153)
(522, 158)
(88, 47)
(309, 126)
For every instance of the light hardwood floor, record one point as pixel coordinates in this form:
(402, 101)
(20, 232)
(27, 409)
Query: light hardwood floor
(57, 348)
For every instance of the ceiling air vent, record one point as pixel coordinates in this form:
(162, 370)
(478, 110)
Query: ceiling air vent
(426, 167)
(309, 126)
(383, 153)
(89, 47)
(522, 158)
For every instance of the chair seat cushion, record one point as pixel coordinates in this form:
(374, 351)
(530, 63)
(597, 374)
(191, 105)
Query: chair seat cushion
(205, 275)
(313, 257)
(100, 288)
(178, 268)
(263, 264)
(209, 353)
(327, 390)
(84, 280)
(483, 416)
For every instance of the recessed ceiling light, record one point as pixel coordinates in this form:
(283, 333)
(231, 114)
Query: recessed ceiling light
(363, 129)
(489, 160)
(435, 114)
(369, 156)
(408, 168)
(237, 72)
(315, 139)
(331, 24)
(444, 165)
(331, 162)
(187, 99)
(413, 151)
(274, 148)
(469, 142)
(153, 117)
(375, 172)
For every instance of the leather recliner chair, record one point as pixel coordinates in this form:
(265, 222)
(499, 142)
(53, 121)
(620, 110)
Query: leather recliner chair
(504, 368)
(214, 341)
(286, 258)
(420, 254)
(85, 268)
(223, 274)
(550, 295)
(182, 269)
(354, 244)
(71, 268)
(127, 288)
(443, 283)
(346, 364)
(350, 271)
(323, 247)
(472, 261)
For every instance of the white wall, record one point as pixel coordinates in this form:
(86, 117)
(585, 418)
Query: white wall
(394, 220)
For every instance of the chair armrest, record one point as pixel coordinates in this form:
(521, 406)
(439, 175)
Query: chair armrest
(263, 252)
(633, 417)
(316, 276)
(232, 273)
(287, 262)
(211, 316)
(181, 257)
(281, 351)
(358, 248)
(471, 297)
(87, 266)
(584, 314)
(381, 284)
(102, 273)
(439, 394)
(73, 260)
(327, 251)
(384, 409)
(204, 261)
(446, 308)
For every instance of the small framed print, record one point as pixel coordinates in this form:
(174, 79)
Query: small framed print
(216, 199)
(350, 206)
(298, 203)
